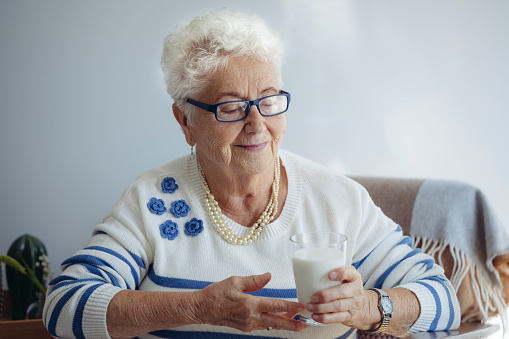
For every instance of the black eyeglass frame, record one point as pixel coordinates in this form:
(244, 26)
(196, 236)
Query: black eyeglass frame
(213, 108)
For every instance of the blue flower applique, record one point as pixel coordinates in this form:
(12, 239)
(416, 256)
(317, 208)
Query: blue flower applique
(193, 227)
(156, 206)
(169, 230)
(179, 208)
(168, 185)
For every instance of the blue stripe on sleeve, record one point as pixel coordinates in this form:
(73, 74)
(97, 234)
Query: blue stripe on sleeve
(119, 256)
(138, 259)
(398, 229)
(77, 321)
(87, 259)
(384, 276)
(275, 293)
(91, 262)
(52, 326)
(406, 241)
(70, 282)
(438, 314)
(428, 262)
(92, 269)
(359, 263)
(199, 284)
(61, 278)
(347, 334)
(449, 298)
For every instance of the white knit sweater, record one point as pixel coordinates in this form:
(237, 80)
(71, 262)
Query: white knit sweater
(128, 250)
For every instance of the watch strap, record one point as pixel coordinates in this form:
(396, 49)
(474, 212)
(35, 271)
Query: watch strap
(386, 317)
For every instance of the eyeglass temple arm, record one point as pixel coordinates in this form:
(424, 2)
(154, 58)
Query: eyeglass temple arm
(201, 105)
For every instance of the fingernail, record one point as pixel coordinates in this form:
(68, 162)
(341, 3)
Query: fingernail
(314, 299)
(309, 307)
(333, 275)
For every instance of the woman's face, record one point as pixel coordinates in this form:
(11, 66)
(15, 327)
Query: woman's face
(247, 146)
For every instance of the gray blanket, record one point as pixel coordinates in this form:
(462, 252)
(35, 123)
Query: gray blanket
(458, 214)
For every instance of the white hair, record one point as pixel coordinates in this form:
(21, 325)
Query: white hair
(192, 53)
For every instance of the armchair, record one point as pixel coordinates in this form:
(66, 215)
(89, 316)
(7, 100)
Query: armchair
(454, 223)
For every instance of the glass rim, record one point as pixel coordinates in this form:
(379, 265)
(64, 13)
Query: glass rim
(342, 237)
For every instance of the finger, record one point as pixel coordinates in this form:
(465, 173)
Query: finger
(289, 315)
(338, 305)
(348, 273)
(271, 305)
(278, 322)
(253, 283)
(331, 318)
(340, 291)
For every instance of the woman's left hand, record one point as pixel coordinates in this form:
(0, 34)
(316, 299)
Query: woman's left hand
(346, 303)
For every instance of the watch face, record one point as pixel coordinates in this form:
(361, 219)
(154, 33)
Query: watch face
(387, 305)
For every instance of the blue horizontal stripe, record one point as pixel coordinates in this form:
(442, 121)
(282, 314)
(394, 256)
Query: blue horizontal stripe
(199, 284)
(449, 298)
(70, 282)
(91, 263)
(119, 256)
(428, 262)
(438, 313)
(406, 241)
(359, 263)
(52, 326)
(138, 259)
(61, 278)
(77, 321)
(384, 276)
(347, 334)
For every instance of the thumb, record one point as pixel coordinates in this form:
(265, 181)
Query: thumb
(254, 283)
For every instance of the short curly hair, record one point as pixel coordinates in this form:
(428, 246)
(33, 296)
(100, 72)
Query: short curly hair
(192, 53)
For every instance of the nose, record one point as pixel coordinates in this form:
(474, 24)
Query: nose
(254, 122)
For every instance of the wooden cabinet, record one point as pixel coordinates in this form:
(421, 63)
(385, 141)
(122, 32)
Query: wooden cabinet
(22, 329)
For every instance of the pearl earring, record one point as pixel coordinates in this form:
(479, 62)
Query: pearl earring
(192, 152)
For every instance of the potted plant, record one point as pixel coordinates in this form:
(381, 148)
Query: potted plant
(27, 270)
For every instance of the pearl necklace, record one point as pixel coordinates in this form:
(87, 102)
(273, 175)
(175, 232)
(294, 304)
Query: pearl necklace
(218, 219)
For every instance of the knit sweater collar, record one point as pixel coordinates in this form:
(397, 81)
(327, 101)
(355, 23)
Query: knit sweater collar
(278, 227)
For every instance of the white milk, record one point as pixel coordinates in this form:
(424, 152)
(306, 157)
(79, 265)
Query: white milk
(311, 267)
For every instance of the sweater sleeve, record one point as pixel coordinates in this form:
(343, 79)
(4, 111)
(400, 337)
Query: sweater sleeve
(390, 261)
(116, 258)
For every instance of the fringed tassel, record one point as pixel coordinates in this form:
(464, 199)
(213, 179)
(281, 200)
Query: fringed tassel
(488, 297)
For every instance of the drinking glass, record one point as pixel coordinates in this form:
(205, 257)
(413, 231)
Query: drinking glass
(314, 255)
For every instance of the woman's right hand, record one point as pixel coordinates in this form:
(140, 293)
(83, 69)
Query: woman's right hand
(225, 304)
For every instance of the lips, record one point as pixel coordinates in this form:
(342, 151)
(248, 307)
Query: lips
(254, 147)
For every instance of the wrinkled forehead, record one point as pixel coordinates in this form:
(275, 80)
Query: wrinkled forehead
(242, 78)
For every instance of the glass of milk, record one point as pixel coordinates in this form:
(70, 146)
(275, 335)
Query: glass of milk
(314, 255)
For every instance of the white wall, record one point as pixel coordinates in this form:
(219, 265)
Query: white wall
(383, 88)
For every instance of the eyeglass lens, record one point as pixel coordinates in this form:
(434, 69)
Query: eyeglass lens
(272, 105)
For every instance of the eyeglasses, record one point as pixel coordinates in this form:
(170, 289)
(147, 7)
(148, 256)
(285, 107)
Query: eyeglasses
(230, 111)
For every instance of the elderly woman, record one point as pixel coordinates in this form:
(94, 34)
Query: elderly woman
(199, 247)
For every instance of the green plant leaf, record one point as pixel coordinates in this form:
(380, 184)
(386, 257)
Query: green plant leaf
(34, 279)
(8, 260)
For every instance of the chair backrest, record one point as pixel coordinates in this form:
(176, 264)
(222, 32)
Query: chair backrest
(481, 280)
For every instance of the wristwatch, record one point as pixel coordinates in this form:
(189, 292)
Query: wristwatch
(385, 307)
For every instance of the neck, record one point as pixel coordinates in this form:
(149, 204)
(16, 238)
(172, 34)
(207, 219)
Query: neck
(241, 197)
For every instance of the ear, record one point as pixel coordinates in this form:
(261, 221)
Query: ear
(184, 123)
